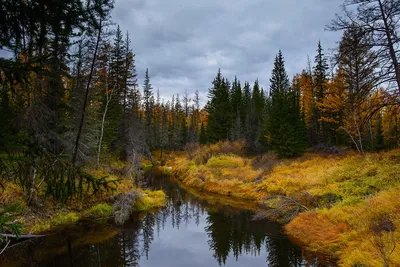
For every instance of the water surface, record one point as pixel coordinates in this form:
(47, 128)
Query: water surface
(188, 232)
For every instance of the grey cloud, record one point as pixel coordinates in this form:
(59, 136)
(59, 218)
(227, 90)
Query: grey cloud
(183, 43)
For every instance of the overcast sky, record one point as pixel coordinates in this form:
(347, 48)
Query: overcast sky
(183, 43)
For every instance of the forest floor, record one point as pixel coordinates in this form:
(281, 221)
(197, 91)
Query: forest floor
(46, 215)
(351, 202)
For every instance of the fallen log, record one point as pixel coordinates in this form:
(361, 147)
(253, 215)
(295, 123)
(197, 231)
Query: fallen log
(21, 236)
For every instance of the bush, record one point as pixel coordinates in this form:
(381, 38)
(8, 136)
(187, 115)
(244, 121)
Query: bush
(204, 153)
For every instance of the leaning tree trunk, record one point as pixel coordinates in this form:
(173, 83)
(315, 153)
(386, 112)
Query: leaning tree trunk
(78, 136)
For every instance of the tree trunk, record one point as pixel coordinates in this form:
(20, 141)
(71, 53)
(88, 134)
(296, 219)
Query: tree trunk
(102, 126)
(78, 136)
(390, 45)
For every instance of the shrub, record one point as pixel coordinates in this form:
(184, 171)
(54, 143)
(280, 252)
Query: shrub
(223, 147)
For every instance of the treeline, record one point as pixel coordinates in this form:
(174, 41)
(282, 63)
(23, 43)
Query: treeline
(353, 103)
(68, 96)
(71, 86)
(265, 120)
(71, 90)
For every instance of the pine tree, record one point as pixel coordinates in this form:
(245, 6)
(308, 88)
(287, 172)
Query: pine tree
(202, 135)
(256, 118)
(320, 80)
(219, 110)
(379, 140)
(284, 126)
(148, 106)
(245, 113)
(236, 102)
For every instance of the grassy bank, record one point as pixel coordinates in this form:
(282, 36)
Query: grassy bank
(354, 209)
(46, 215)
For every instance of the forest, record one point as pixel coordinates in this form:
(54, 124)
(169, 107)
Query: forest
(76, 125)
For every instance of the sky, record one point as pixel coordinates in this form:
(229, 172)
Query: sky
(183, 43)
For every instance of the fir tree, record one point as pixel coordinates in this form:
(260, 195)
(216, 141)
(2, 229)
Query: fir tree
(219, 110)
(202, 135)
(319, 82)
(245, 114)
(236, 102)
(284, 126)
(148, 102)
(379, 140)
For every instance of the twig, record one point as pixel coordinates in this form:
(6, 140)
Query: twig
(1, 252)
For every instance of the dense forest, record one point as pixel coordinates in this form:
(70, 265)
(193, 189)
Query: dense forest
(70, 97)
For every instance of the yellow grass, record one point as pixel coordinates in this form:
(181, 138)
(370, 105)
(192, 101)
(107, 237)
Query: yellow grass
(355, 198)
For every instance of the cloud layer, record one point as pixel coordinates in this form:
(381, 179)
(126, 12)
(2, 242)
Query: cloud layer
(183, 43)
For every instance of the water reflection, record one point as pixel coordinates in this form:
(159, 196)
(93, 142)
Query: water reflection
(188, 232)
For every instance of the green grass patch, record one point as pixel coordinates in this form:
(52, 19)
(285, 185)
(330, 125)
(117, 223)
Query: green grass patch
(150, 200)
(99, 211)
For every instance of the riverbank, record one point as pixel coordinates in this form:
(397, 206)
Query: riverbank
(45, 215)
(353, 207)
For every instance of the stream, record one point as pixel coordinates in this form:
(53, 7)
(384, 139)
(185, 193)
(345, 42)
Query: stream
(188, 232)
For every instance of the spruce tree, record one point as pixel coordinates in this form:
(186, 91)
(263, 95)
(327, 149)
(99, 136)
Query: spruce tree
(284, 126)
(148, 105)
(219, 110)
(246, 112)
(319, 82)
(236, 102)
(202, 135)
(379, 140)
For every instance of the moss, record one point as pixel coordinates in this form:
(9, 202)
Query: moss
(59, 220)
(102, 210)
(146, 165)
(150, 200)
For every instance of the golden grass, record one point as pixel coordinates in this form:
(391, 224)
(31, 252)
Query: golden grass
(354, 198)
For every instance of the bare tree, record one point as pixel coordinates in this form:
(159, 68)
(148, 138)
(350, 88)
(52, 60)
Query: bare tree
(109, 95)
(380, 19)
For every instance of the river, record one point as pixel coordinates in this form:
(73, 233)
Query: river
(189, 232)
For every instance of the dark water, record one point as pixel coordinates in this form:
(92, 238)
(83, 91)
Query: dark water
(188, 232)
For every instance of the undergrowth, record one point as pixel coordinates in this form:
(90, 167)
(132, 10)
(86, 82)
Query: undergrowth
(46, 215)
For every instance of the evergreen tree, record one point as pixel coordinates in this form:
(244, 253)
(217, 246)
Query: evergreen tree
(148, 106)
(219, 110)
(257, 110)
(379, 140)
(245, 114)
(236, 102)
(320, 81)
(284, 125)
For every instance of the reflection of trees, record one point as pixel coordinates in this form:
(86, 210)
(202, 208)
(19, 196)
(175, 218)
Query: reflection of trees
(229, 232)
(281, 253)
(239, 234)
(218, 231)
(148, 224)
